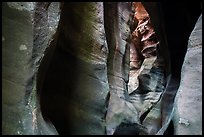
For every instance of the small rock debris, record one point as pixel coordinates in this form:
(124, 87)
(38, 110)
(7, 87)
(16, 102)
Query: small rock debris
(22, 47)
(184, 121)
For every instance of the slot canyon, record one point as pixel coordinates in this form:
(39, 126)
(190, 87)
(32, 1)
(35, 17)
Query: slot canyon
(102, 68)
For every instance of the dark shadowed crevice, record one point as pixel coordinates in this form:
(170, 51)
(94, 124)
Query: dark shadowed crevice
(170, 129)
(74, 93)
(56, 70)
(176, 42)
(142, 117)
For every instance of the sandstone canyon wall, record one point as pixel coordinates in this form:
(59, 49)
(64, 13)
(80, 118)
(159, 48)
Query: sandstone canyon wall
(101, 68)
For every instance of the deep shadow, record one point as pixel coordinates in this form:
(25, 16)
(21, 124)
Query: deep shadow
(57, 89)
(173, 22)
(170, 129)
(56, 80)
(180, 19)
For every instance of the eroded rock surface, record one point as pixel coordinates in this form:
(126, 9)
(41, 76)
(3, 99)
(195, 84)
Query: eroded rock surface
(143, 46)
(96, 68)
(21, 54)
(188, 104)
(74, 94)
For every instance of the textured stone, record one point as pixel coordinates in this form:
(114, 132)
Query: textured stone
(97, 68)
(29, 6)
(147, 81)
(150, 76)
(117, 30)
(188, 103)
(73, 95)
(144, 44)
(19, 116)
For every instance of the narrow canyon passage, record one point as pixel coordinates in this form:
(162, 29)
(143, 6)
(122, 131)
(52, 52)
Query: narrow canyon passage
(101, 68)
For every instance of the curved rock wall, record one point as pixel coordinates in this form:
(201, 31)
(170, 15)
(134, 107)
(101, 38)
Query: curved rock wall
(170, 41)
(188, 105)
(148, 82)
(118, 40)
(74, 93)
(24, 40)
(98, 68)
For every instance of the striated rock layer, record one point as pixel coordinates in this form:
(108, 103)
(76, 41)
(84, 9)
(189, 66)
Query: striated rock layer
(118, 40)
(100, 68)
(73, 95)
(135, 100)
(188, 105)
